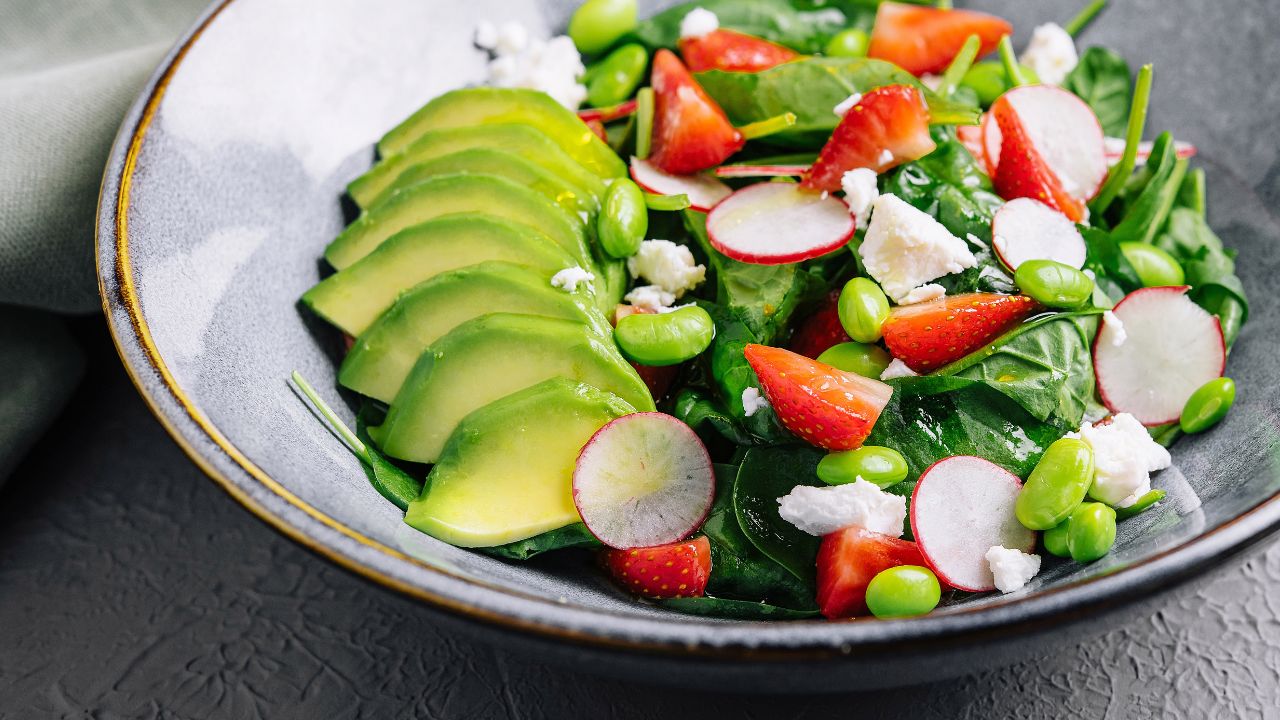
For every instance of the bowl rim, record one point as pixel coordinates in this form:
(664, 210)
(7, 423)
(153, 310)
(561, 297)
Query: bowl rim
(537, 616)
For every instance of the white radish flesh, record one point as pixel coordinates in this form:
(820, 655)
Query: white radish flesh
(1115, 150)
(1026, 229)
(1063, 129)
(755, 171)
(703, 190)
(776, 223)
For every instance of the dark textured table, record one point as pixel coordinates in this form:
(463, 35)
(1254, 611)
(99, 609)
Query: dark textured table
(132, 587)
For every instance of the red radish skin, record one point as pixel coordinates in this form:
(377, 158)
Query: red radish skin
(703, 190)
(971, 136)
(608, 114)
(1064, 131)
(755, 171)
(732, 52)
(779, 223)
(961, 507)
(643, 480)
(1025, 229)
(1173, 347)
(1115, 150)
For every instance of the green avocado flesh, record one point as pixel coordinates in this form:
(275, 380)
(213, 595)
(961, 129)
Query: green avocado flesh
(484, 106)
(382, 357)
(506, 473)
(527, 142)
(450, 194)
(490, 357)
(353, 298)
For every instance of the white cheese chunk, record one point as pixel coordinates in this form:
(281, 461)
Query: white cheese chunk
(905, 248)
(553, 66)
(1051, 54)
(897, 369)
(860, 191)
(1124, 456)
(569, 278)
(753, 402)
(698, 22)
(1012, 568)
(650, 297)
(667, 265)
(824, 510)
(924, 293)
(1116, 326)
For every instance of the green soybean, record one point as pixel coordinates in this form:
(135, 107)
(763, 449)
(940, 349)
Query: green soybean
(1142, 505)
(615, 78)
(882, 466)
(863, 308)
(989, 80)
(597, 24)
(864, 359)
(624, 219)
(665, 338)
(848, 43)
(1155, 267)
(903, 591)
(1091, 532)
(1056, 486)
(1208, 405)
(1055, 539)
(1053, 284)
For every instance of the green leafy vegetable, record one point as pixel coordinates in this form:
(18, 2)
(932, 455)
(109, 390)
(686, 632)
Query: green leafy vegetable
(1119, 174)
(767, 474)
(1148, 203)
(1103, 80)
(1112, 271)
(731, 375)
(576, 535)
(805, 30)
(734, 609)
(1210, 268)
(703, 414)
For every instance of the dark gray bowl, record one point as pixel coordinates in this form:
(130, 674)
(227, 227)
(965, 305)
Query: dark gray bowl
(223, 188)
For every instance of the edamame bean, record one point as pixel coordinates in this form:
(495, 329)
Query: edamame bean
(863, 308)
(903, 591)
(989, 80)
(615, 78)
(848, 43)
(1091, 532)
(624, 219)
(1155, 267)
(882, 466)
(862, 358)
(1208, 405)
(597, 24)
(1142, 504)
(664, 338)
(1056, 486)
(1055, 539)
(1053, 284)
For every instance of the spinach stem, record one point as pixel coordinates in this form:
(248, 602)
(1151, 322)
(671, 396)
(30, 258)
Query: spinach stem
(960, 65)
(330, 418)
(644, 122)
(768, 126)
(944, 4)
(667, 203)
(1011, 66)
(1086, 16)
(1133, 136)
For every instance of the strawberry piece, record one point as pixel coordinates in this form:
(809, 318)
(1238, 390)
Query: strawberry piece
(888, 126)
(666, 571)
(690, 131)
(847, 561)
(1021, 171)
(657, 378)
(925, 39)
(822, 405)
(820, 331)
(930, 335)
(733, 52)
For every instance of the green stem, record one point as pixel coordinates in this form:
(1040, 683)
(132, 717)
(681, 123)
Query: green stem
(959, 66)
(1011, 66)
(1133, 136)
(944, 4)
(768, 126)
(644, 122)
(330, 418)
(1086, 16)
(666, 203)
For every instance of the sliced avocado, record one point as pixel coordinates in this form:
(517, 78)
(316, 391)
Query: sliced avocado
(449, 194)
(507, 471)
(483, 106)
(489, 357)
(354, 297)
(523, 140)
(383, 355)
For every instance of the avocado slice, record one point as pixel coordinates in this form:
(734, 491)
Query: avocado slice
(382, 357)
(485, 105)
(449, 194)
(354, 297)
(489, 357)
(523, 140)
(507, 472)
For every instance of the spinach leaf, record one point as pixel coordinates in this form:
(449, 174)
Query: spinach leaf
(767, 474)
(1148, 204)
(734, 609)
(575, 535)
(701, 413)
(1102, 79)
(1111, 270)
(1210, 269)
(392, 482)
(804, 29)
(731, 375)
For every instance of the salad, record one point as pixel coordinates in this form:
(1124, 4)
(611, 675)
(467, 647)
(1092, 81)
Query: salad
(810, 311)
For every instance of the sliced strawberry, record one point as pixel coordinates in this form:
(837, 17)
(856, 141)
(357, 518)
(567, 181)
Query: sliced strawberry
(690, 131)
(821, 405)
(657, 379)
(732, 51)
(929, 335)
(925, 40)
(888, 126)
(1021, 171)
(667, 571)
(847, 561)
(820, 331)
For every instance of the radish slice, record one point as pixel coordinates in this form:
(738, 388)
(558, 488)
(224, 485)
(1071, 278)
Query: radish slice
(973, 139)
(753, 171)
(703, 190)
(1026, 229)
(961, 508)
(644, 479)
(608, 114)
(1162, 349)
(1063, 128)
(1114, 148)
(776, 223)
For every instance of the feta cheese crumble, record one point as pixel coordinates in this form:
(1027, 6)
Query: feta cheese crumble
(698, 22)
(886, 157)
(823, 510)
(1051, 54)
(1116, 325)
(905, 248)
(1124, 456)
(668, 266)
(860, 191)
(569, 278)
(650, 297)
(924, 293)
(897, 369)
(553, 66)
(847, 104)
(1012, 568)
(753, 402)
